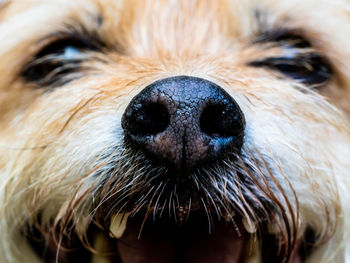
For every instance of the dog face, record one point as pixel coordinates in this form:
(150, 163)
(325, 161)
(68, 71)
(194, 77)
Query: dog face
(174, 131)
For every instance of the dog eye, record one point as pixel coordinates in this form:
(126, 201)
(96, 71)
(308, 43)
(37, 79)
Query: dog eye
(310, 69)
(58, 62)
(298, 61)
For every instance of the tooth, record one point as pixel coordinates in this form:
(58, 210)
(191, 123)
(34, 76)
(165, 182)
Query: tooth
(118, 225)
(101, 245)
(249, 225)
(253, 252)
(273, 229)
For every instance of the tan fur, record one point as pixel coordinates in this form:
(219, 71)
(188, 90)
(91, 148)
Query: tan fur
(49, 140)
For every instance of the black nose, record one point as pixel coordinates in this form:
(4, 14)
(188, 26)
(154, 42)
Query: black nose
(184, 122)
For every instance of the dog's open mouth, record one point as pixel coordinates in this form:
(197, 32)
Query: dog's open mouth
(170, 241)
(132, 239)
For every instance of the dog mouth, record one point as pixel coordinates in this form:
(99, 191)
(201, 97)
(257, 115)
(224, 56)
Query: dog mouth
(200, 219)
(196, 237)
(167, 240)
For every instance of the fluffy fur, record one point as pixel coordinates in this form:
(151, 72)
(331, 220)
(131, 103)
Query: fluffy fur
(61, 144)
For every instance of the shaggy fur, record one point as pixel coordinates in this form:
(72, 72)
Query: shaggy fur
(63, 164)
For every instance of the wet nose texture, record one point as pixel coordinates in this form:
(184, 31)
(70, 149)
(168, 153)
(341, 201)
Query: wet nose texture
(184, 122)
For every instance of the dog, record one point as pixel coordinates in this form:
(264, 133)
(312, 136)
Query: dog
(174, 131)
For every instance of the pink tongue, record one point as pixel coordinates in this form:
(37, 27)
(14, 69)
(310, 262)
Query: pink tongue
(164, 244)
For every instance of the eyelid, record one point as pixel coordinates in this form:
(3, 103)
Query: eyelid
(88, 39)
(290, 37)
(66, 41)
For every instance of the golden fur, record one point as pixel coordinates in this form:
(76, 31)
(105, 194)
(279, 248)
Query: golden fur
(51, 138)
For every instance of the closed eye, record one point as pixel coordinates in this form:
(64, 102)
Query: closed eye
(298, 60)
(60, 61)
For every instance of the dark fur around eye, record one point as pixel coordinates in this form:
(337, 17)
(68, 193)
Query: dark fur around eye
(61, 61)
(305, 65)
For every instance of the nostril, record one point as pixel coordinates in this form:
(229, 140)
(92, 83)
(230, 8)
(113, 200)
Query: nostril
(147, 119)
(221, 120)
